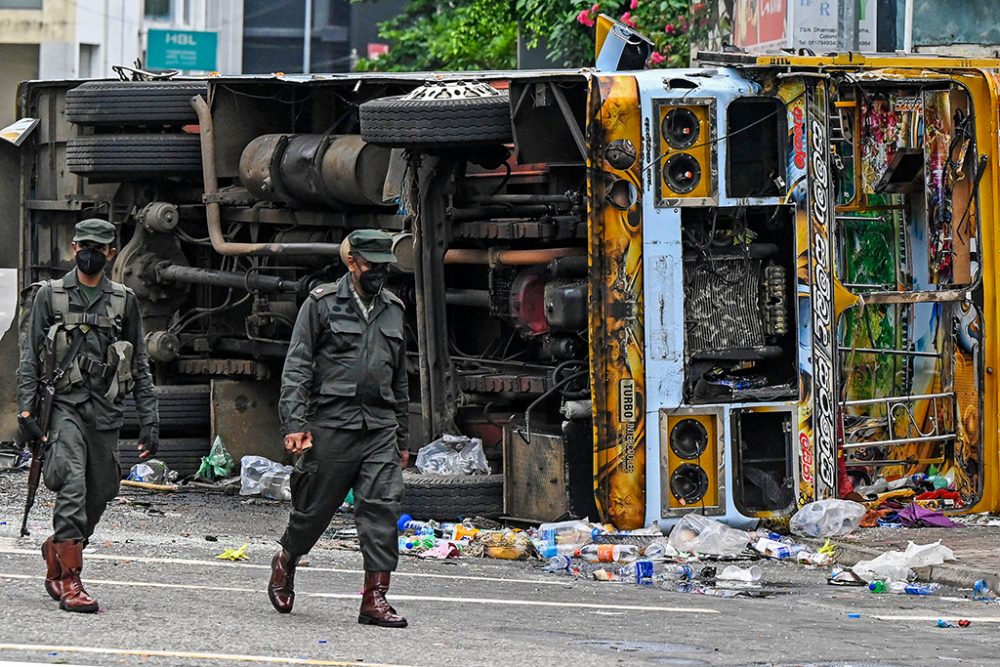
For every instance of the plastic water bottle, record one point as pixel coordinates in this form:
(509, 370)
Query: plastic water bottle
(549, 550)
(674, 572)
(576, 533)
(609, 553)
(408, 523)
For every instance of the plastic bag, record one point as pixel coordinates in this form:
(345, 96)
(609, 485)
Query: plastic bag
(153, 471)
(453, 455)
(827, 518)
(262, 475)
(217, 465)
(899, 565)
(699, 534)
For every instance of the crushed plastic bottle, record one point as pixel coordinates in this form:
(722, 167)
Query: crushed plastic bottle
(609, 553)
(674, 572)
(981, 591)
(921, 589)
(640, 572)
(559, 565)
(659, 550)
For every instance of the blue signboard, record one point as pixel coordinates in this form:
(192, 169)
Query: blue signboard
(182, 49)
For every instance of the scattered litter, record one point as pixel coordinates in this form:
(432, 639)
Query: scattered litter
(218, 464)
(453, 455)
(262, 475)
(442, 551)
(845, 577)
(981, 592)
(505, 545)
(234, 554)
(915, 516)
(211, 538)
(964, 623)
(941, 623)
(899, 565)
(153, 471)
(736, 573)
(854, 616)
(827, 518)
(699, 534)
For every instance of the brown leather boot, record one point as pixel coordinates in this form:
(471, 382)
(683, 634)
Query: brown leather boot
(53, 572)
(374, 608)
(74, 597)
(281, 588)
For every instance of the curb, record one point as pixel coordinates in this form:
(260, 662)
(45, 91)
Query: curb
(957, 574)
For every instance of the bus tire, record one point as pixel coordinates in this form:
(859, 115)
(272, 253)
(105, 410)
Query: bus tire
(452, 497)
(133, 103)
(443, 123)
(108, 156)
(184, 410)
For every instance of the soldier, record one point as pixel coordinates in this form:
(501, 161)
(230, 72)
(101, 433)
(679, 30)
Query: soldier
(92, 329)
(344, 409)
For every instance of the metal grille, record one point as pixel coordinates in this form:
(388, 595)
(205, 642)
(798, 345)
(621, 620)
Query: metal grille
(722, 304)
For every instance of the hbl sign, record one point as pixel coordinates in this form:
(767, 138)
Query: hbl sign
(181, 49)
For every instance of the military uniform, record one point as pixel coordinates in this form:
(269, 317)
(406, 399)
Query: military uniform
(82, 466)
(344, 381)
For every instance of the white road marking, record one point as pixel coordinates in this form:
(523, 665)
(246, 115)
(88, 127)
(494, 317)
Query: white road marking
(411, 598)
(193, 655)
(310, 568)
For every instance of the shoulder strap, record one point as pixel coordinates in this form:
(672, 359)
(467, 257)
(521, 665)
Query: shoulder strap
(116, 306)
(59, 299)
(326, 289)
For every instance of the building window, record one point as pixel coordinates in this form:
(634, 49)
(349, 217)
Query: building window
(159, 10)
(20, 4)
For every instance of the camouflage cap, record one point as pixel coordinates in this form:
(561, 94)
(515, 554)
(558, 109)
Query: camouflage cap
(96, 230)
(372, 245)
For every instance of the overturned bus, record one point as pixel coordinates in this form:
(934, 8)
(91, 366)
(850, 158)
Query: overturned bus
(729, 289)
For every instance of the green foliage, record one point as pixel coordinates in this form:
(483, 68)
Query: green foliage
(482, 34)
(431, 35)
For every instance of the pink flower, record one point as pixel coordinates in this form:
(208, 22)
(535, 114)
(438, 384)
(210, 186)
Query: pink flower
(670, 29)
(584, 18)
(656, 58)
(595, 8)
(697, 7)
(627, 19)
(634, 4)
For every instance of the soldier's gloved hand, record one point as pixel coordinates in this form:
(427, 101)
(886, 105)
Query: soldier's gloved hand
(149, 440)
(28, 430)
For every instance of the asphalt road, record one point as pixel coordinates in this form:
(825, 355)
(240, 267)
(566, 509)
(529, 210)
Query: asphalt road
(166, 600)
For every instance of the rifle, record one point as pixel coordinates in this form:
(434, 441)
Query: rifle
(43, 413)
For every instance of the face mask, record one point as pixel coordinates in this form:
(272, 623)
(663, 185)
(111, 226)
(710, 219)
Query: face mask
(90, 261)
(371, 281)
